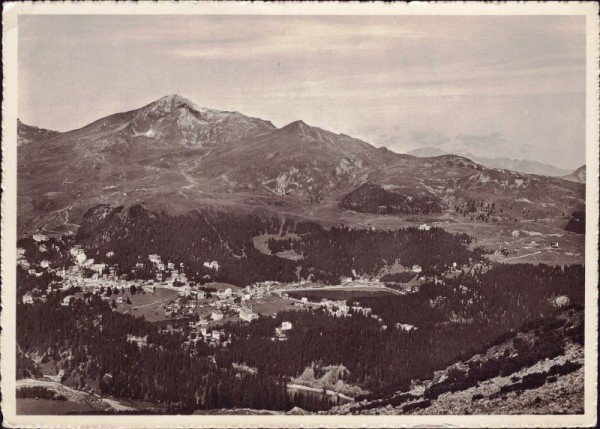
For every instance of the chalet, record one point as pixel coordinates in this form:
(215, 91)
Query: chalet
(246, 297)
(286, 326)
(247, 314)
(171, 266)
(214, 265)
(148, 288)
(27, 299)
(417, 269)
(39, 237)
(110, 254)
(44, 264)
(160, 266)
(304, 300)
(216, 315)
(216, 335)
(424, 227)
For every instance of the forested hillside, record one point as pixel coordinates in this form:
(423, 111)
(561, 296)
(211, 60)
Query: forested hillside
(134, 233)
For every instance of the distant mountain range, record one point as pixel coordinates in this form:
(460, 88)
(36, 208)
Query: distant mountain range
(176, 156)
(523, 165)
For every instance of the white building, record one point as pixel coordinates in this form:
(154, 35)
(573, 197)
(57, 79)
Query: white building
(39, 237)
(217, 315)
(27, 299)
(247, 314)
(44, 264)
(406, 327)
(139, 341)
(286, 326)
(417, 269)
(80, 258)
(561, 301)
(214, 265)
(155, 259)
(109, 254)
(67, 300)
(424, 227)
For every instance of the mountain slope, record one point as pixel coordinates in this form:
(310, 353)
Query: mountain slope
(28, 134)
(178, 157)
(544, 360)
(578, 176)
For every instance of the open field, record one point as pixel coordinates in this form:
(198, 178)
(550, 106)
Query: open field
(269, 305)
(221, 286)
(148, 304)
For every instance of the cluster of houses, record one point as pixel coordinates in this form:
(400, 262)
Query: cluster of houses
(175, 271)
(224, 302)
(336, 308)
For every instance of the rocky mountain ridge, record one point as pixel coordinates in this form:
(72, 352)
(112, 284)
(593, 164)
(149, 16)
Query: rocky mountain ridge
(176, 156)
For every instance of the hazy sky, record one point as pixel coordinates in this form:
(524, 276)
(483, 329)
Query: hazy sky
(493, 86)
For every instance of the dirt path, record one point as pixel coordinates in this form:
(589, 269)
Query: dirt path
(95, 401)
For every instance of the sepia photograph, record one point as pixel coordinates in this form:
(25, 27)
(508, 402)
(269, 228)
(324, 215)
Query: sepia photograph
(312, 214)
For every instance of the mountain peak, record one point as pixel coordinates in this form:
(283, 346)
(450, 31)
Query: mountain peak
(298, 126)
(173, 102)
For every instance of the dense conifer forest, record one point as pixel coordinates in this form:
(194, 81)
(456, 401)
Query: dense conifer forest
(329, 254)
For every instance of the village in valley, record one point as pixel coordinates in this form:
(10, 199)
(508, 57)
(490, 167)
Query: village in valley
(200, 310)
